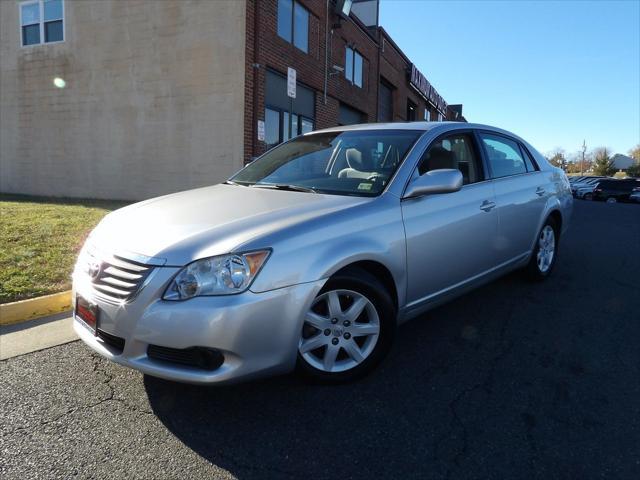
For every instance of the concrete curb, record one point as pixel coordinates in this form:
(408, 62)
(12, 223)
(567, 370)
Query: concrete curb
(24, 310)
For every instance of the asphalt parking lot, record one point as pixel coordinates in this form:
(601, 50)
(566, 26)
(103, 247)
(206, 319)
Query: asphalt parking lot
(515, 380)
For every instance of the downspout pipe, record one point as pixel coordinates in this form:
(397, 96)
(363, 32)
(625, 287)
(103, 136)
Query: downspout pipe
(326, 53)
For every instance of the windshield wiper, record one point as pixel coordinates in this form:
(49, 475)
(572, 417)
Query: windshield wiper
(285, 186)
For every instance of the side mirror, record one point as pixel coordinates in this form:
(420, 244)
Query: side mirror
(446, 180)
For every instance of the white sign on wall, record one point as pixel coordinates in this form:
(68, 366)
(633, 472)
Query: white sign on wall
(291, 82)
(261, 130)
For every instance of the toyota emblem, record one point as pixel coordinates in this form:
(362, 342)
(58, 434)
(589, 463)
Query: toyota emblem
(94, 269)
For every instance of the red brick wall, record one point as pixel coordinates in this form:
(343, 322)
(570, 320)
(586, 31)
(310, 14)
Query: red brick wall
(277, 54)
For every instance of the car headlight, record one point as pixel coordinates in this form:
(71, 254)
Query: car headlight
(221, 275)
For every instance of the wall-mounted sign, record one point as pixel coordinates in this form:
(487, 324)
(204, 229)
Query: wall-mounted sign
(261, 130)
(291, 82)
(420, 82)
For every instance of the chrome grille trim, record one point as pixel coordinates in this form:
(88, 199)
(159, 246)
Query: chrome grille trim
(120, 279)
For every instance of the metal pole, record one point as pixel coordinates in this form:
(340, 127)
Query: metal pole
(290, 117)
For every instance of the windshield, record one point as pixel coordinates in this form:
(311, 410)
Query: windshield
(344, 163)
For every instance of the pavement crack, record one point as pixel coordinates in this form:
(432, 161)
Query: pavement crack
(485, 384)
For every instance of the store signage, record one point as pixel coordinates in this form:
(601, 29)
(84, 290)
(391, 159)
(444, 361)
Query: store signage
(420, 82)
(261, 130)
(291, 82)
(422, 85)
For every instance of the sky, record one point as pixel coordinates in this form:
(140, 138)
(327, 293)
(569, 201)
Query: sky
(554, 72)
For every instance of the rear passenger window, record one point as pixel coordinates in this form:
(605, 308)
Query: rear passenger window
(455, 151)
(531, 165)
(504, 156)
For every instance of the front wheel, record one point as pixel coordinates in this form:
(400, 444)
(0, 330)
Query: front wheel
(348, 329)
(545, 252)
(612, 200)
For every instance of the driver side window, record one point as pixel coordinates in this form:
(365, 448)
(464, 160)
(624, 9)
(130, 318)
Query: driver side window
(455, 151)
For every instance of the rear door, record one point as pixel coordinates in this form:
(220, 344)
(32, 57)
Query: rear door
(450, 236)
(521, 191)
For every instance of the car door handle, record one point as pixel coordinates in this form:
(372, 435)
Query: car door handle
(487, 206)
(540, 191)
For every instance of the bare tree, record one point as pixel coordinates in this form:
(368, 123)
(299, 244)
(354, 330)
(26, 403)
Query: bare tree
(557, 158)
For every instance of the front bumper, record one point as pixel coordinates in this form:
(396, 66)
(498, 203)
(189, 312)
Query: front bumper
(257, 333)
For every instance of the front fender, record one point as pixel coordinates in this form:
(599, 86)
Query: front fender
(317, 249)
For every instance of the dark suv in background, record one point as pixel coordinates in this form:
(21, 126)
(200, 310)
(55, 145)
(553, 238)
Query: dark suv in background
(613, 191)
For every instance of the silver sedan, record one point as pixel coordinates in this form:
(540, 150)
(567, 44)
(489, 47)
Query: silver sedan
(312, 255)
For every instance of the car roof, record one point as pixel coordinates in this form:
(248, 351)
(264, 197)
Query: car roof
(421, 126)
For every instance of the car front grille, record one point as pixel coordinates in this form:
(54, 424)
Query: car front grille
(120, 279)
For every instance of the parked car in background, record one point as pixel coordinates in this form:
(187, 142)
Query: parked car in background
(586, 182)
(635, 195)
(312, 254)
(613, 191)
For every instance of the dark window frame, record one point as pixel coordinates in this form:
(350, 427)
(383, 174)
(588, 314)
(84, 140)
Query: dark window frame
(292, 40)
(527, 153)
(281, 112)
(42, 23)
(413, 108)
(354, 53)
(482, 168)
(485, 153)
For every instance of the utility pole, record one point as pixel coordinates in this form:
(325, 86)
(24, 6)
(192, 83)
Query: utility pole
(584, 150)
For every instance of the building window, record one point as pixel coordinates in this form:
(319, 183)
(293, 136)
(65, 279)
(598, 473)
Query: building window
(353, 67)
(42, 21)
(278, 105)
(350, 116)
(276, 126)
(439, 117)
(293, 23)
(427, 115)
(411, 111)
(271, 127)
(385, 102)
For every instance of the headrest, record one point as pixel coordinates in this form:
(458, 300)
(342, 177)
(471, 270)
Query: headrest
(354, 158)
(440, 157)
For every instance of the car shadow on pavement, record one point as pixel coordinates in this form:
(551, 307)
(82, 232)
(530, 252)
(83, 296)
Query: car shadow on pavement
(505, 382)
(397, 422)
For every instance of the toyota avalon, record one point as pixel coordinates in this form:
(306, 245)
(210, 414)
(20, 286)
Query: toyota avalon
(312, 255)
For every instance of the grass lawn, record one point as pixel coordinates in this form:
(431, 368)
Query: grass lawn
(39, 241)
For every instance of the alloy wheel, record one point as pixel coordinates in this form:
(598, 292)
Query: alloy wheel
(546, 248)
(340, 331)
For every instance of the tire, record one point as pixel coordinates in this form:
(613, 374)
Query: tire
(612, 200)
(542, 260)
(588, 196)
(337, 345)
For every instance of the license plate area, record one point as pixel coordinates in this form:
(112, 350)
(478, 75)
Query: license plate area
(88, 313)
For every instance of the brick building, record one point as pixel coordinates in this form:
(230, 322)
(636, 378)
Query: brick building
(137, 98)
(348, 70)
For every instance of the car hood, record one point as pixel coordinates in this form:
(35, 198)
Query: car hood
(178, 228)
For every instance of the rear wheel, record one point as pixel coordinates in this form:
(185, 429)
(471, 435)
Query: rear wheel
(612, 200)
(348, 329)
(545, 252)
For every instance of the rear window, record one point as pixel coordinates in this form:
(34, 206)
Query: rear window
(504, 155)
